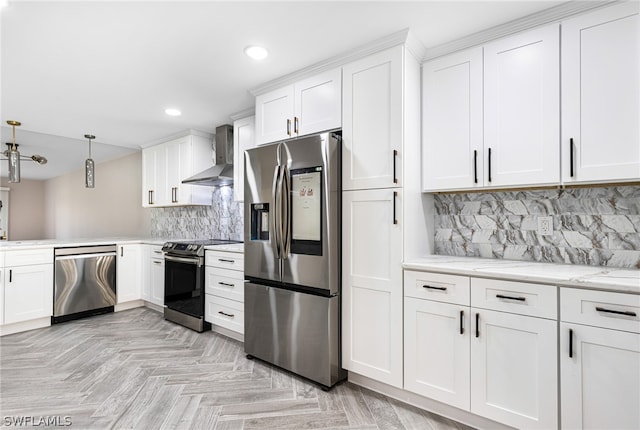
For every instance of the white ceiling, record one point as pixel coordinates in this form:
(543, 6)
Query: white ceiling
(111, 68)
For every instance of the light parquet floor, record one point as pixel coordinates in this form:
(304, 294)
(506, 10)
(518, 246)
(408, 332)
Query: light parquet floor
(134, 370)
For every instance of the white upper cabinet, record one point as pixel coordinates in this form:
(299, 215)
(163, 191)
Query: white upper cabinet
(166, 165)
(452, 122)
(491, 114)
(372, 133)
(522, 109)
(308, 106)
(243, 139)
(600, 95)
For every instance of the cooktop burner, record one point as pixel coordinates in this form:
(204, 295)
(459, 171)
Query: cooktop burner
(193, 247)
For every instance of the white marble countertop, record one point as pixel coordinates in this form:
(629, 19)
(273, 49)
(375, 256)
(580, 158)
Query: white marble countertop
(592, 277)
(57, 243)
(234, 247)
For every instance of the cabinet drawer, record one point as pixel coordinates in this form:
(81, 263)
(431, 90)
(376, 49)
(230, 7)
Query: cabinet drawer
(225, 283)
(225, 260)
(225, 313)
(436, 286)
(28, 257)
(156, 251)
(617, 311)
(535, 300)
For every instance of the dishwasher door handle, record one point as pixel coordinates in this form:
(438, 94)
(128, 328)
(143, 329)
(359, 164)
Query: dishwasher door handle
(78, 256)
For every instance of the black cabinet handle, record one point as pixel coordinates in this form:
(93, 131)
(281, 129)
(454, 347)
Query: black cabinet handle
(226, 284)
(489, 164)
(150, 197)
(295, 125)
(395, 195)
(477, 325)
(288, 127)
(611, 311)
(431, 287)
(570, 343)
(395, 176)
(226, 314)
(226, 261)
(461, 322)
(520, 299)
(10, 275)
(571, 157)
(475, 166)
(121, 251)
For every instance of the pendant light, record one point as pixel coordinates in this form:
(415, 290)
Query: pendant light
(13, 155)
(89, 166)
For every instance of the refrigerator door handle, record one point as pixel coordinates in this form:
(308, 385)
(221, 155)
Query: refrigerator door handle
(285, 190)
(276, 219)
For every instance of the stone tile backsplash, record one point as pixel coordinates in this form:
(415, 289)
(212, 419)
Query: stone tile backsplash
(222, 220)
(596, 226)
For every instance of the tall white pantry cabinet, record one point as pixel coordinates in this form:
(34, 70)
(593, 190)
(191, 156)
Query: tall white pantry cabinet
(380, 133)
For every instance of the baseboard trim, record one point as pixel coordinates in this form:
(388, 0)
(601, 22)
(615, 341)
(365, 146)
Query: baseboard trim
(24, 326)
(226, 332)
(427, 404)
(128, 305)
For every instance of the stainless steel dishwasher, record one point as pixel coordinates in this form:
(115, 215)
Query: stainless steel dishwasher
(85, 282)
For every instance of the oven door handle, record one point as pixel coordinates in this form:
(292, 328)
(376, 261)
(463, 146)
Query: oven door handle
(195, 261)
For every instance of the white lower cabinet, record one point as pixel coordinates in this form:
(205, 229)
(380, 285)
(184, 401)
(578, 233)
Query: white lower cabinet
(129, 273)
(28, 292)
(224, 290)
(499, 363)
(372, 284)
(27, 285)
(514, 378)
(600, 360)
(153, 273)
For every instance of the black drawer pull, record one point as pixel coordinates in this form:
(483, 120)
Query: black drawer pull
(611, 311)
(520, 299)
(395, 196)
(226, 261)
(570, 343)
(226, 314)
(461, 322)
(477, 325)
(431, 287)
(226, 284)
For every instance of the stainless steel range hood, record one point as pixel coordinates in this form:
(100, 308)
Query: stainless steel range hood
(222, 172)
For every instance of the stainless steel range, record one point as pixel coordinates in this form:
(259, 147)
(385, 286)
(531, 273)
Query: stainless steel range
(184, 281)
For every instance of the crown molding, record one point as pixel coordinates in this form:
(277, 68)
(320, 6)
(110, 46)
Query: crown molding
(250, 111)
(547, 16)
(183, 133)
(377, 45)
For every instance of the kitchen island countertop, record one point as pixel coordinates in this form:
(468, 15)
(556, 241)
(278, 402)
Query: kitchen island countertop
(562, 275)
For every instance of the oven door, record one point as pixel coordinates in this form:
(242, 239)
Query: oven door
(184, 284)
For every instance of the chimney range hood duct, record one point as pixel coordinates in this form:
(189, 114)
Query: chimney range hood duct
(222, 172)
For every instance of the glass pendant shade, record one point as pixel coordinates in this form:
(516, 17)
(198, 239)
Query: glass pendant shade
(89, 167)
(14, 164)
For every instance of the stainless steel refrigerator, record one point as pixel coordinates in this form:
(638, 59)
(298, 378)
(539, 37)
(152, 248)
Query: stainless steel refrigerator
(292, 256)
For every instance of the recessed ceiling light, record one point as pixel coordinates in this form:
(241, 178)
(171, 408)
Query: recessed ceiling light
(172, 112)
(256, 52)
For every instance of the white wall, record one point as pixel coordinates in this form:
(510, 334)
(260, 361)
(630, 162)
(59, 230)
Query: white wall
(112, 208)
(26, 209)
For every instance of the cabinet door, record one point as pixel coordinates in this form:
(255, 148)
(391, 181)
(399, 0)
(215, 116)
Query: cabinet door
(514, 378)
(149, 188)
(372, 121)
(157, 281)
(129, 273)
(318, 102)
(436, 351)
(372, 284)
(274, 115)
(28, 292)
(1, 295)
(522, 109)
(176, 165)
(601, 379)
(243, 139)
(161, 195)
(452, 122)
(600, 95)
